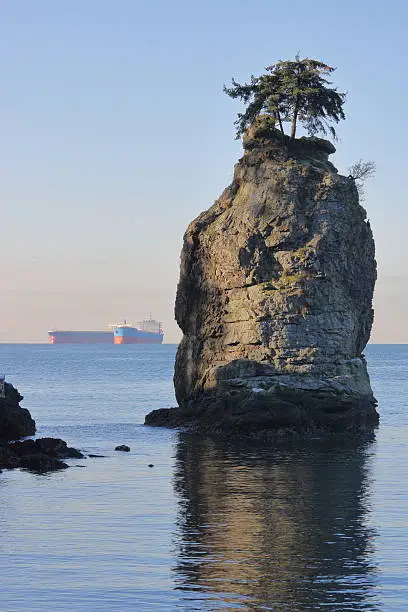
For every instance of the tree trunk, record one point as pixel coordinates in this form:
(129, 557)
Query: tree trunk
(280, 122)
(297, 104)
(294, 120)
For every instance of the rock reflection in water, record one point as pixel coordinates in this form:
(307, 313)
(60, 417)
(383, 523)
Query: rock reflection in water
(274, 529)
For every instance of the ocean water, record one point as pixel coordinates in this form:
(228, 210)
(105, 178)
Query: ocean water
(214, 525)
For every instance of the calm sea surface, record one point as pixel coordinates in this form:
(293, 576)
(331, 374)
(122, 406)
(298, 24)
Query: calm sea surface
(214, 525)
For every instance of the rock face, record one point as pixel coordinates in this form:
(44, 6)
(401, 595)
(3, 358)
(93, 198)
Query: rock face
(275, 296)
(15, 422)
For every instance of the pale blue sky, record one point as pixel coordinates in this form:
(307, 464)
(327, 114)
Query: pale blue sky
(115, 134)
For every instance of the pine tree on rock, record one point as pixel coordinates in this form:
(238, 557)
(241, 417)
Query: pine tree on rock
(295, 92)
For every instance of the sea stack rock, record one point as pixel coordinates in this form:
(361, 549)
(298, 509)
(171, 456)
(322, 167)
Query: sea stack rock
(275, 296)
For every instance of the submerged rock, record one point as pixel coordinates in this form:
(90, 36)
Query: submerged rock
(123, 447)
(275, 297)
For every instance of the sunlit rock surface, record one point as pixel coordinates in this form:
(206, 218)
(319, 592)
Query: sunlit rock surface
(275, 297)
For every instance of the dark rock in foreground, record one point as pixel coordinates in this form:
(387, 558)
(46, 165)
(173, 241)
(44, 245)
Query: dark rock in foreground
(169, 417)
(42, 455)
(123, 447)
(273, 420)
(275, 297)
(15, 422)
(52, 447)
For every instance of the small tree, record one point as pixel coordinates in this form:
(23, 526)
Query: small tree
(360, 172)
(291, 91)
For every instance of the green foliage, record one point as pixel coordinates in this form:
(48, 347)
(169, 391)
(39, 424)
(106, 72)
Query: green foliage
(291, 91)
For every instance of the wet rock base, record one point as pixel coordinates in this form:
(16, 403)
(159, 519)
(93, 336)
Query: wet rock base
(274, 420)
(42, 455)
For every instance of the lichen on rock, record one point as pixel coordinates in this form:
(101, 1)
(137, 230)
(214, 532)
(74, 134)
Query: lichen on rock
(275, 296)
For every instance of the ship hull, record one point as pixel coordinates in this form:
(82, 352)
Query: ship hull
(80, 337)
(132, 335)
(120, 334)
(128, 340)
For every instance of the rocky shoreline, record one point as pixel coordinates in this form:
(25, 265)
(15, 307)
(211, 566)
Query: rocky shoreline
(41, 455)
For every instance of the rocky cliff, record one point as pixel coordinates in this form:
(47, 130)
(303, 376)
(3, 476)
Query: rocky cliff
(275, 296)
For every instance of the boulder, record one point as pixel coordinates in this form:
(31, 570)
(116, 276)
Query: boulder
(55, 447)
(40, 455)
(15, 422)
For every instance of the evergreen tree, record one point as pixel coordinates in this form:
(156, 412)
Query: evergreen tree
(291, 91)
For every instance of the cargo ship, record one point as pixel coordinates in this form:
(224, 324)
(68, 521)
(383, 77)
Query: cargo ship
(80, 337)
(148, 331)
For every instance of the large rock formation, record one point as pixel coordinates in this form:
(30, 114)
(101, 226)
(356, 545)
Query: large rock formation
(275, 296)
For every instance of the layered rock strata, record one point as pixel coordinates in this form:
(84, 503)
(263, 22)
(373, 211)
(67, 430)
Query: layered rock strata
(275, 297)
